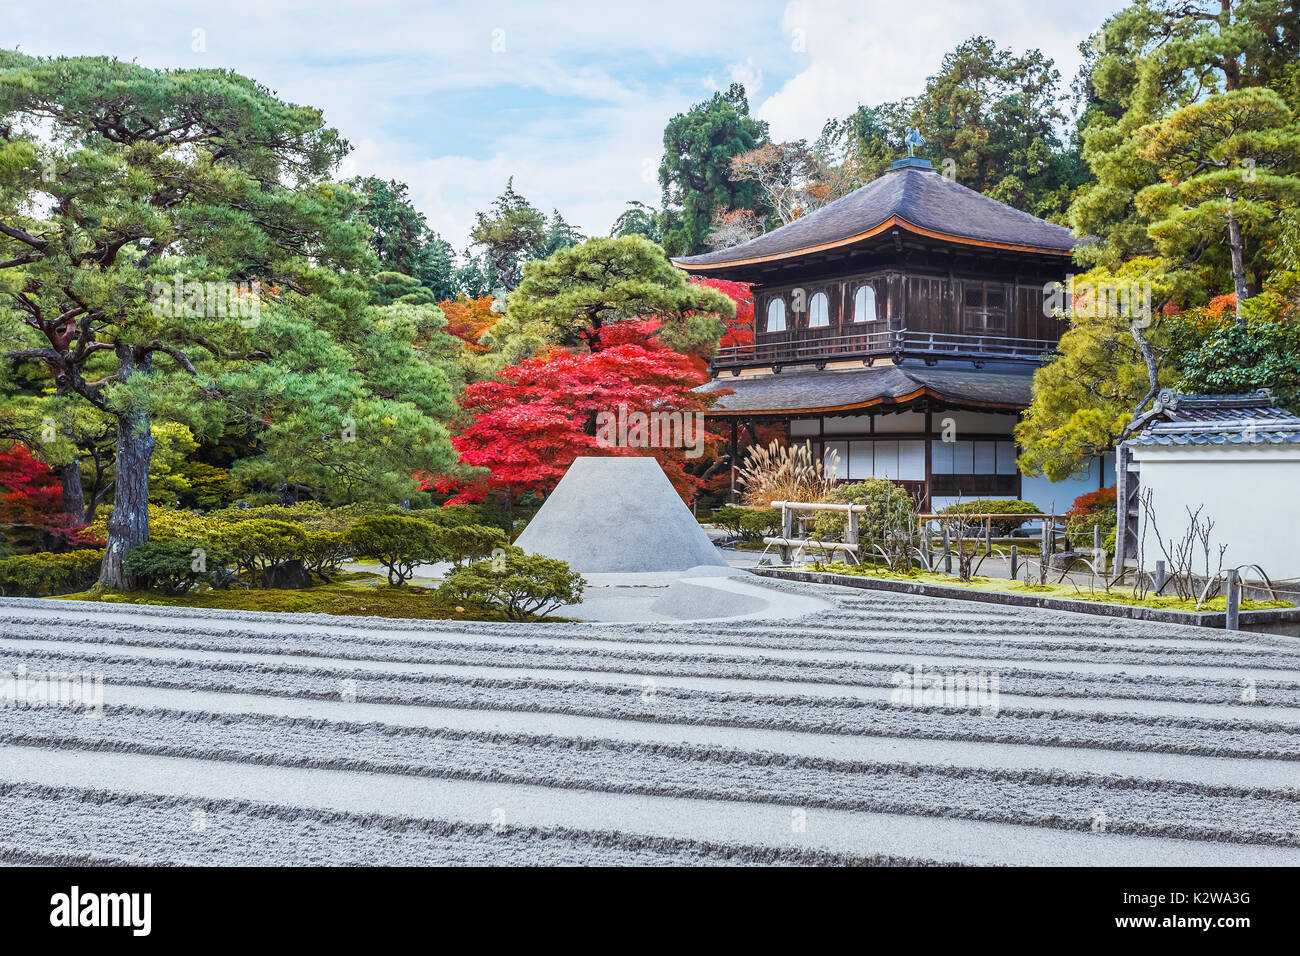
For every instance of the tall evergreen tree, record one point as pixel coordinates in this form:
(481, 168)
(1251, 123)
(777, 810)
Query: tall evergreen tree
(401, 238)
(560, 235)
(568, 299)
(1227, 165)
(1147, 61)
(695, 172)
(638, 219)
(137, 209)
(510, 233)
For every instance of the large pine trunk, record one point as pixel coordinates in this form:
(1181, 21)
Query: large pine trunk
(129, 523)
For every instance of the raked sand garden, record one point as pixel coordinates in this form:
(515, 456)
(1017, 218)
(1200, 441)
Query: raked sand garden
(252, 738)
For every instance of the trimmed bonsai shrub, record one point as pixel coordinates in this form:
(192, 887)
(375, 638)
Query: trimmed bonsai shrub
(305, 513)
(173, 564)
(472, 542)
(259, 545)
(47, 572)
(996, 506)
(455, 516)
(324, 551)
(398, 542)
(521, 585)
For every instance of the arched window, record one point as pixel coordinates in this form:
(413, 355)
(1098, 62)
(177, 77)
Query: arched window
(819, 311)
(864, 304)
(776, 315)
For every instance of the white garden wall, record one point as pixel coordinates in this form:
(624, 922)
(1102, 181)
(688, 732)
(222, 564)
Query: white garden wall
(1252, 493)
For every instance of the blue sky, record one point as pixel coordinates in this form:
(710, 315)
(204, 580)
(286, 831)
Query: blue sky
(571, 99)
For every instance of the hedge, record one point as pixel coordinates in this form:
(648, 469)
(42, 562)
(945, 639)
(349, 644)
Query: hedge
(400, 542)
(45, 573)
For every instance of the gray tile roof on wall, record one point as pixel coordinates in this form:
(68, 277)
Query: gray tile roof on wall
(812, 390)
(921, 197)
(1248, 419)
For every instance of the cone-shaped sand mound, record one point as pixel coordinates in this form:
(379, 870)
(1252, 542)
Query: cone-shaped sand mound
(618, 514)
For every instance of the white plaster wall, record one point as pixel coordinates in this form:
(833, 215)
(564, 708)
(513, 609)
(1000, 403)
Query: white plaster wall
(1250, 492)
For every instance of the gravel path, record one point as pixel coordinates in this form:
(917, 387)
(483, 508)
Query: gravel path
(244, 738)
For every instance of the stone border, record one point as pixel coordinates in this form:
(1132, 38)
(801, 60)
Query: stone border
(1215, 619)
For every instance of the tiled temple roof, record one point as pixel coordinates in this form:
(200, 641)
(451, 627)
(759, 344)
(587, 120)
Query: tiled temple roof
(910, 196)
(1249, 419)
(831, 390)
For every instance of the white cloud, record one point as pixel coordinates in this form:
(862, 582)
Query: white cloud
(748, 75)
(860, 53)
(575, 106)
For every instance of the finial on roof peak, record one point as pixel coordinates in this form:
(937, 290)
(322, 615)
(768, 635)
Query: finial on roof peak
(914, 140)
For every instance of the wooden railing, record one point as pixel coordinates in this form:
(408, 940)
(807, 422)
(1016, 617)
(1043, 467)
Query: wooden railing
(898, 343)
(955, 530)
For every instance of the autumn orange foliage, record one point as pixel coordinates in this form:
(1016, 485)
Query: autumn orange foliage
(468, 319)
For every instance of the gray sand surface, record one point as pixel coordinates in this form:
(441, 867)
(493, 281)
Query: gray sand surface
(245, 738)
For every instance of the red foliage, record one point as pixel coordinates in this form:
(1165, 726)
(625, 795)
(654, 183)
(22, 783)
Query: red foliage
(631, 332)
(1092, 502)
(534, 419)
(32, 498)
(740, 330)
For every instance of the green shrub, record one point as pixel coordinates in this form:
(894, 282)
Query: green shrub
(258, 545)
(309, 515)
(174, 564)
(471, 542)
(890, 506)
(399, 542)
(749, 523)
(344, 517)
(1001, 529)
(729, 518)
(762, 523)
(1078, 528)
(521, 585)
(167, 523)
(46, 572)
(324, 552)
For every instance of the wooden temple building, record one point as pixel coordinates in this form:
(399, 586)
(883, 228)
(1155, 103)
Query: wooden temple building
(900, 327)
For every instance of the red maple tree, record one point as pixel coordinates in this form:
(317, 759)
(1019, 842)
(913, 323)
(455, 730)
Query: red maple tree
(535, 418)
(31, 501)
(740, 330)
